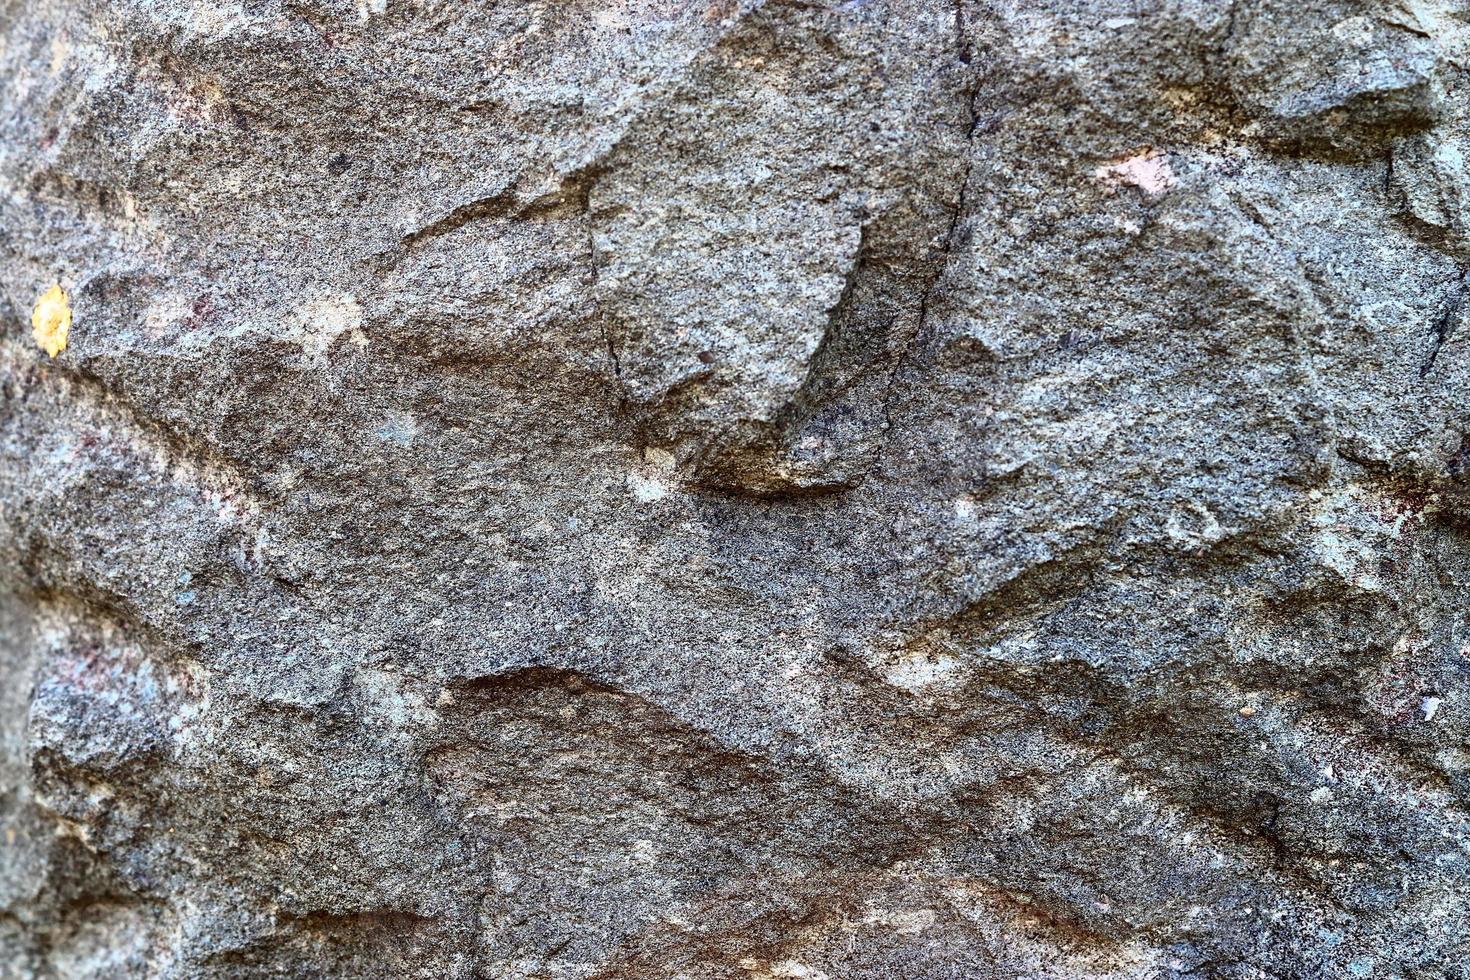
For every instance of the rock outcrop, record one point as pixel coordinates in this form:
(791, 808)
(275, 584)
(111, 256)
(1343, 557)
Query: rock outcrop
(753, 489)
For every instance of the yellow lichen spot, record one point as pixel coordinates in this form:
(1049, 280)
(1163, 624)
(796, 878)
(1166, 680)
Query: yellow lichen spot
(51, 320)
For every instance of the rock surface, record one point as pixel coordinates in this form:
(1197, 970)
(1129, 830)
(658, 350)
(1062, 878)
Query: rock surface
(751, 489)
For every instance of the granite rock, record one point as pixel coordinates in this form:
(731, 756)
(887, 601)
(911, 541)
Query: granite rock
(759, 489)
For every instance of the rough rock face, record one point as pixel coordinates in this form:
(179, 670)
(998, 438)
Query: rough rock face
(752, 489)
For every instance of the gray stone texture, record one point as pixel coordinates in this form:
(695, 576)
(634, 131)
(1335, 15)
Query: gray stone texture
(752, 489)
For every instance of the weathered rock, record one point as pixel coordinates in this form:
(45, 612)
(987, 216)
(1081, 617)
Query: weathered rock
(783, 489)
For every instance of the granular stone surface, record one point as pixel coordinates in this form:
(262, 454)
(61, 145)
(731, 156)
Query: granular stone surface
(801, 489)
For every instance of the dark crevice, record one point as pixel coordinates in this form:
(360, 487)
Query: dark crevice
(973, 126)
(821, 384)
(1442, 325)
(567, 201)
